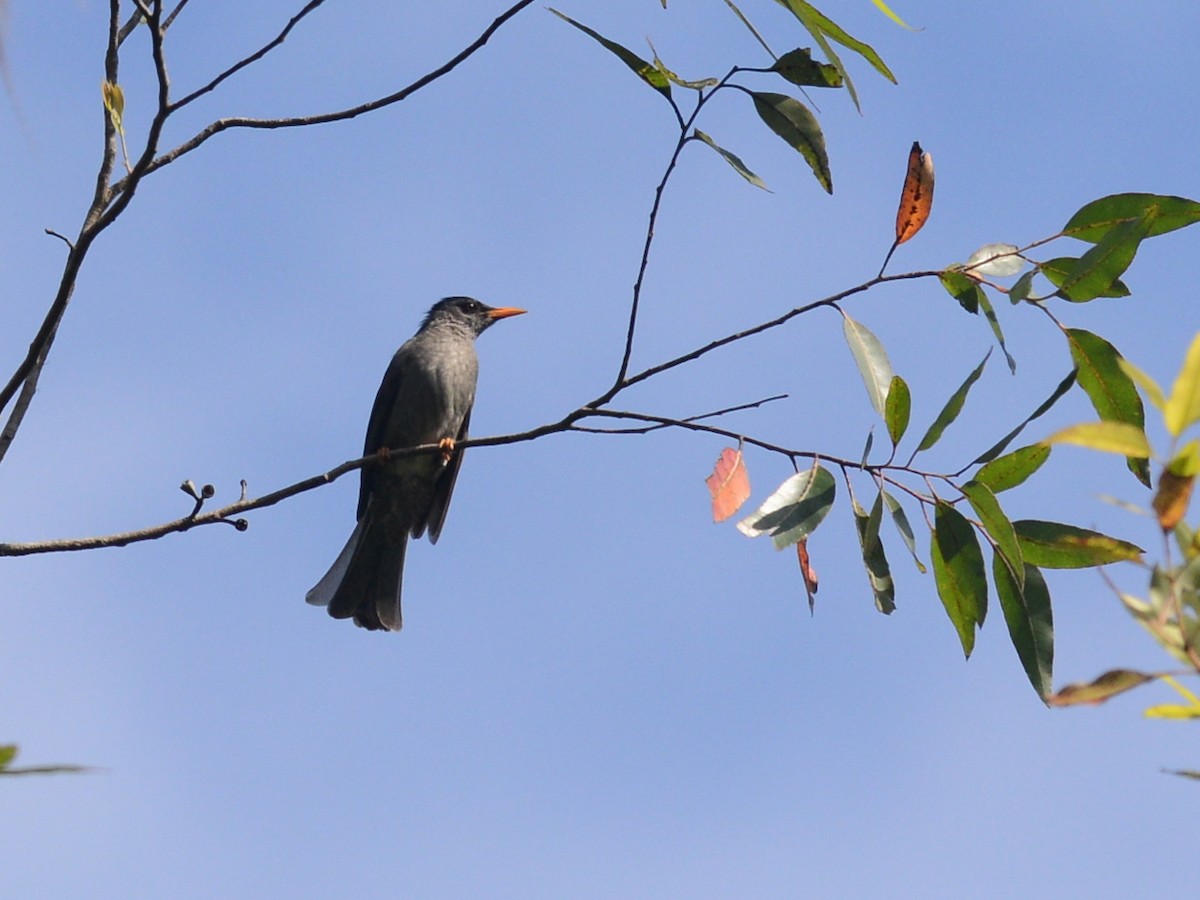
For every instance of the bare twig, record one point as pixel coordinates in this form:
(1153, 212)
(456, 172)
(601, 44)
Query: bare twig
(220, 125)
(252, 58)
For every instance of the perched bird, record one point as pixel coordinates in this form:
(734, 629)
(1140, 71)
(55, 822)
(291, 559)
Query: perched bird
(425, 398)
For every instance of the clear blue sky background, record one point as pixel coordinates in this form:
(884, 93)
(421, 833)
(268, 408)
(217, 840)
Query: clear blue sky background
(598, 693)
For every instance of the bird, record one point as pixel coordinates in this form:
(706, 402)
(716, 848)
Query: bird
(425, 398)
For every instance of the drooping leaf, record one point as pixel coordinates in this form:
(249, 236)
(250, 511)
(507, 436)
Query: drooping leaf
(754, 31)
(872, 361)
(958, 572)
(1172, 498)
(1186, 461)
(822, 28)
(1097, 270)
(990, 314)
(952, 408)
(964, 289)
(808, 573)
(734, 161)
(114, 103)
(1058, 269)
(891, 15)
(1094, 221)
(916, 197)
(1182, 408)
(997, 448)
(8, 752)
(897, 409)
(1107, 437)
(694, 84)
(729, 484)
(648, 72)
(1107, 686)
(1172, 711)
(1021, 287)
(999, 260)
(879, 573)
(1009, 471)
(791, 120)
(1109, 387)
(900, 519)
(798, 67)
(795, 510)
(1149, 386)
(997, 526)
(1054, 545)
(1030, 620)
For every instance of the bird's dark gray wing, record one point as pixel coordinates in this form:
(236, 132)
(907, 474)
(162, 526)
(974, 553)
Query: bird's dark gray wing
(385, 399)
(445, 485)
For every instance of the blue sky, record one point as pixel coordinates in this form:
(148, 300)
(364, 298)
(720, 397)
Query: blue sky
(597, 693)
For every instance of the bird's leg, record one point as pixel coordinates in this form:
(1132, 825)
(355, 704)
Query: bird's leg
(447, 446)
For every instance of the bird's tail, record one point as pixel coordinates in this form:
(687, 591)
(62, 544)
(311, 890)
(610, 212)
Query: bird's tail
(364, 581)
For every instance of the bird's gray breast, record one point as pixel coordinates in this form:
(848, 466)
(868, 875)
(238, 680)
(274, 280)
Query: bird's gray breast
(438, 373)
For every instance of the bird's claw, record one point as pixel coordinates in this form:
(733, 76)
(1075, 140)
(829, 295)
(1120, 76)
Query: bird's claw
(447, 448)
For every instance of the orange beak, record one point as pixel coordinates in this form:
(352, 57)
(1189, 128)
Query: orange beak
(505, 311)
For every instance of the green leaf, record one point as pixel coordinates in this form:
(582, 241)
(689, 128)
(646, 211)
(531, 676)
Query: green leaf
(897, 409)
(879, 573)
(791, 120)
(1098, 218)
(1058, 269)
(1054, 545)
(1149, 386)
(1097, 270)
(998, 448)
(734, 160)
(872, 361)
(997, 526)
(990, 314)
(648, 72)
(964, 289)
(1186, 462)
(1107, 686)
(754, 31)
(1109, 387)
(902, 525)
(795, 510)
(1030, 621)
(798, 67)
(8, 752)
(1021, 287)
(959, 573)
(1011, 470)
(1182, 408)
(1107, 437)
(952, 408)
(891, 15)
(820, 26)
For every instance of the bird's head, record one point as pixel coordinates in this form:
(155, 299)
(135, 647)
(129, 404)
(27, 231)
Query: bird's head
(467, 313)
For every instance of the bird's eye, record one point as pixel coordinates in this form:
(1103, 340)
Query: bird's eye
(471, 306)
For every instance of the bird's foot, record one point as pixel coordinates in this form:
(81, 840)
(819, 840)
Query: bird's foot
(447, 448)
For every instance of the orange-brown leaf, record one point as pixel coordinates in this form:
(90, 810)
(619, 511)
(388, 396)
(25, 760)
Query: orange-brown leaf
(729, 484)
(809, 573)
(916, 200)
(1172, 498)
(1107, 686)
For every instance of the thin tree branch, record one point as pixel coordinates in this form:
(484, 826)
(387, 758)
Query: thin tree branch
(709, 415)
(39, 348)
(252, 58)
(684, 127)
(220, 125)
